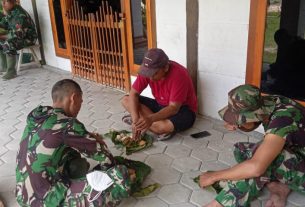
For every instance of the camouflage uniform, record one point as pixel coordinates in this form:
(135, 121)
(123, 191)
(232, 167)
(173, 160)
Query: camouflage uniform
(21, 31)
(287, 120)
(49, 134)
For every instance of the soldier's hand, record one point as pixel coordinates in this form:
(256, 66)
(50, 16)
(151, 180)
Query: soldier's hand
(207, 179)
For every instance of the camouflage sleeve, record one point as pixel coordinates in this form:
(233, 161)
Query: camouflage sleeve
(283, 122)
(20, 23)
(3, 21)
(78, 138)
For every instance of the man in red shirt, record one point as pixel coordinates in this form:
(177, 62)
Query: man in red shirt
(175, 104)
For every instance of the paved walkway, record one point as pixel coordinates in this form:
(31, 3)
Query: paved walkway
(174, 162)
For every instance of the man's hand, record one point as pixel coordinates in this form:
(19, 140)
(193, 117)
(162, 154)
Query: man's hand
(136, 135)
(144, 123)
(207, 179)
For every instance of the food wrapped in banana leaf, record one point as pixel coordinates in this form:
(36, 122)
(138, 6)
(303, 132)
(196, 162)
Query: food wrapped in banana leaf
(141, 171)
(123, 139)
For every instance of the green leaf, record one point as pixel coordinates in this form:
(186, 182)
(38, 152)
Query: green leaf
(146, 190)
(142, 171)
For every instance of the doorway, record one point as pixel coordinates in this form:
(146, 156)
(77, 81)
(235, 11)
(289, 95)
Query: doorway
(141, 34)
(105, 39)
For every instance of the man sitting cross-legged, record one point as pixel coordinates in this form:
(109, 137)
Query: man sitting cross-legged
(49, 156)
(175, 104)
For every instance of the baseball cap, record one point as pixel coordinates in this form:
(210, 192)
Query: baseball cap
(153, 60)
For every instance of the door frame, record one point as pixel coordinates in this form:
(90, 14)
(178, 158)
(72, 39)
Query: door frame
(61, 52)
(151, 30)
(256, 38)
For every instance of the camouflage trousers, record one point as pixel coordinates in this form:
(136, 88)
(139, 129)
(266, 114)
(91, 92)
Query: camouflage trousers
(287, 168)
(11, 46)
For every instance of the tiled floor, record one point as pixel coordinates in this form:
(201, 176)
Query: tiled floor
(175, 162)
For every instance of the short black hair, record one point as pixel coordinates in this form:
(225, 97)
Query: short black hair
(65, 88)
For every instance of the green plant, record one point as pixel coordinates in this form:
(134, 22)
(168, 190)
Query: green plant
(270, 47)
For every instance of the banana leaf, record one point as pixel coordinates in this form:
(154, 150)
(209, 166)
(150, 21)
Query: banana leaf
(142, 192)
(212, 188)
(133, 147)
(142, 171)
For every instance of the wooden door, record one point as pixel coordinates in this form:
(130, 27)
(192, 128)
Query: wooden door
(140, 23)
(98, 45)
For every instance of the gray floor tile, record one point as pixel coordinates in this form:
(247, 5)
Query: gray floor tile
(205, 154)
(178, 151)
(151, 202)
(202, 197)
(213, 166)
(7, 183)
(186, 164)
(165, 176)
(174, 194)
(159, 161)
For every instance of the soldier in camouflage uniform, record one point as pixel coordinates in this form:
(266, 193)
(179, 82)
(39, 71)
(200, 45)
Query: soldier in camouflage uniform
(20, 33)
(277, 162)
(52, 135)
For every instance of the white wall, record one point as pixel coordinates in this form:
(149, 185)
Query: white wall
(47, 36)
(171, 28)
(171, 31)
(223, 40)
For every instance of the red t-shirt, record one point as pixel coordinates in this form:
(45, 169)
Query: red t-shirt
(176, 86)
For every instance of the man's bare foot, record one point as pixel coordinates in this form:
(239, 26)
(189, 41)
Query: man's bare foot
(278, 194)
(213, 203)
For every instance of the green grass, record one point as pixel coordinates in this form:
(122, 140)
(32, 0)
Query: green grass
(269, 57)
(275, 1)
(273, 23)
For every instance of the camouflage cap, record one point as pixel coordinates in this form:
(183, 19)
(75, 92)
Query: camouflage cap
(244, 105)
